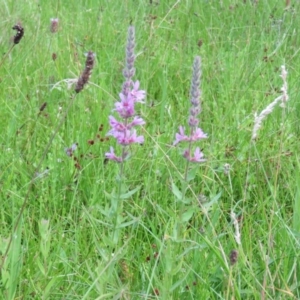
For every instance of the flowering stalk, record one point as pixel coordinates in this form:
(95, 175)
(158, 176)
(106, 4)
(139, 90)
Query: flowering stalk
(196, 133)
(86, 74)
(123, 131)
(123, 128)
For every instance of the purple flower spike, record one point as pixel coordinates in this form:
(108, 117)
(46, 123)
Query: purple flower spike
(196, 133)
(123, 129)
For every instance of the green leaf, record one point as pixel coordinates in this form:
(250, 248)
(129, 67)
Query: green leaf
(191, 174)
(130, 193)
(126, 224)
(176, 192)
(187, 215)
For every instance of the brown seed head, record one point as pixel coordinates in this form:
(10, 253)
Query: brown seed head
(233, 257)
(43, 106)
(19, 34)
(86, 74)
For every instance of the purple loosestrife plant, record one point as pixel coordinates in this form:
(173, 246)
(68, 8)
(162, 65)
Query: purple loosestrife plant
(195, 133)
(123, 129)
(191, 155)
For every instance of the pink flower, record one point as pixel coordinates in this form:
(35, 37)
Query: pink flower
(119, 126)
(198, 134)
(123, 130)
(128, 137)
(137, 121)
(69, 151)
(198, 155)
(111, 155)
(179, 137)
(116, 125)
(138, 95)
(125, 107)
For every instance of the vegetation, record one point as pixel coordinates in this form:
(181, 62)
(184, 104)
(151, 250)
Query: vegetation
(75, 225)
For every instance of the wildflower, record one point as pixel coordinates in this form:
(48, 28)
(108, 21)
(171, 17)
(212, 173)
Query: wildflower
(54, 25)
(126, 138)
(198, 155)
(138, 95)
(125, 107)
(86, 74)
(69, 151)
(123, 129)
(196, 133)
(19, 34)
(112, 156)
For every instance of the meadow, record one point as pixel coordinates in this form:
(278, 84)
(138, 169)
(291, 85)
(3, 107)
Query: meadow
(78, 225)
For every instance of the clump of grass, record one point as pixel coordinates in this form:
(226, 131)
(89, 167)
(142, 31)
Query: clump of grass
(65, 245)
(82, 81)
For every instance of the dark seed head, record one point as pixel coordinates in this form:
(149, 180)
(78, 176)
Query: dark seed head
(233, 257)
(19, 34)
(86, 74)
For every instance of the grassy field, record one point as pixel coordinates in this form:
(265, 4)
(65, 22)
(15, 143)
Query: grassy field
(154, 226)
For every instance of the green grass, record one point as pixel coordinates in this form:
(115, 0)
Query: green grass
(63, 247)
